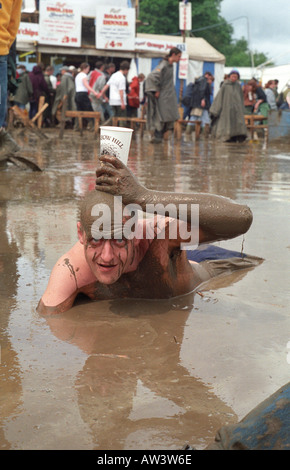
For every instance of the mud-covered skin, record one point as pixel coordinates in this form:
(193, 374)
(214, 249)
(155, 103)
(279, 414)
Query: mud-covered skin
(152, 270)
(219, 217)
(150, 267)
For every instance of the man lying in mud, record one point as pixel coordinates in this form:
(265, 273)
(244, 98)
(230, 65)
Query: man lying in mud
(121, 254)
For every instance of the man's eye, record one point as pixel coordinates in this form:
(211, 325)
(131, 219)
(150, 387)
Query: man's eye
(96, 241)
(119, 242)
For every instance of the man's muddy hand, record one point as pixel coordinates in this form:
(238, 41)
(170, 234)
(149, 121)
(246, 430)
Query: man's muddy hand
(113, 177)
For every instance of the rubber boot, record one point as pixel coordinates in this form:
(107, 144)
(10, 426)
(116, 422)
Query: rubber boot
(157, 137)
(206, 131)
(189, 129)
(197, 130)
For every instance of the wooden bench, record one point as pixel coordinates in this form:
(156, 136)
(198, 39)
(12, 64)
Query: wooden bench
(250, 121)
(16, 113)
(178, 127)
(132, 120)
(80, 115)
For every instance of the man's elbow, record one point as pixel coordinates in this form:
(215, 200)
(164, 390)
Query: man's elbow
(43, 309)
(245, 220)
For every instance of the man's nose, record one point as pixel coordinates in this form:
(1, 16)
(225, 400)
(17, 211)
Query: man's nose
(107, 251)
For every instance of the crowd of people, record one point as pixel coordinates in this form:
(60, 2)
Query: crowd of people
(224, 115)
(107, 90)
(259, 100)
(102, 89)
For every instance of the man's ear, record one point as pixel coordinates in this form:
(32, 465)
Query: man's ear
(81, 233)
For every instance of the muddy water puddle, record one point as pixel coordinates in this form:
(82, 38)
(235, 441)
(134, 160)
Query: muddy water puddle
(139, 374)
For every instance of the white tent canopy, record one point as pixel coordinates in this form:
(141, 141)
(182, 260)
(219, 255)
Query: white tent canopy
(196, 48)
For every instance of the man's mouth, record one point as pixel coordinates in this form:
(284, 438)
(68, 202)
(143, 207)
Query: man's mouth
(106, 267)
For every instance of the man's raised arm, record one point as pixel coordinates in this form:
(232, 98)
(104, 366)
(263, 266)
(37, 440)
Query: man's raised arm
(220, 218)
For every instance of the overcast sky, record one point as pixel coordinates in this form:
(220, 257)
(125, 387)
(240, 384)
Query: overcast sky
(269, 25)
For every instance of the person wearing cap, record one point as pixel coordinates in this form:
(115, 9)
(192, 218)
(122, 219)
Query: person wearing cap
(120, 255)
(65, 88)
(227, 111)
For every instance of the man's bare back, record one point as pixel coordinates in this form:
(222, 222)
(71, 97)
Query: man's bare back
(148, 266)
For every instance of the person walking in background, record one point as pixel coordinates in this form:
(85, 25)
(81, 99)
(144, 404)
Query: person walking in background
(133, 96)
(249, 93)
(117, 90)
(51, 83)
(200, 102)
(39, 87)
(24, 90)
(261, 105)
(66, 88)
(49, 77)
(83, 89)
(10, 13)
(227, 111)
(109, 69)
(270, 89)
(162, 106)
(97, 84)
(97, 72)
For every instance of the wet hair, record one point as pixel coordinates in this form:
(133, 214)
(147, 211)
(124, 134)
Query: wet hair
(107, 208)
(125, 65)
(49, 68)
(84, 65)
(110, 65)
(174, 50)
(252, 83)
(99, 64)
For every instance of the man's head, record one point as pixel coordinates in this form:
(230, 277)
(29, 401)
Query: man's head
(49, 70)
(174, 55)
(141, 77)
(124, 67)
(108, 251)
(234, 76)
(110, 68)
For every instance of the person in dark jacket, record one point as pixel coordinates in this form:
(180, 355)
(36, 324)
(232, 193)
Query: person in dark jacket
(39, 87)
(200, 103)
(24, 90)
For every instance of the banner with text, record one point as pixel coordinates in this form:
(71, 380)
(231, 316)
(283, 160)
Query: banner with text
(115, 28)
(185, 16)
(27, 32)
(59, 23)
(152, 45)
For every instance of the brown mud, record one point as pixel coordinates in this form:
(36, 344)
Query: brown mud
(137, 374)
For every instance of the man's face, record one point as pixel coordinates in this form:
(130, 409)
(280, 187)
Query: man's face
(176, 57)
(108, 259)
(234, 77)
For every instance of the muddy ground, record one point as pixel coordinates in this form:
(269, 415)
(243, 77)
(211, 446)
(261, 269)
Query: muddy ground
(139, 374)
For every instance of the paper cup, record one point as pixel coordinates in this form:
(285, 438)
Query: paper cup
(115, 141)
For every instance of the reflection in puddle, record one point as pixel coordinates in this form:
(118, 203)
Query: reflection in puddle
(139, 374)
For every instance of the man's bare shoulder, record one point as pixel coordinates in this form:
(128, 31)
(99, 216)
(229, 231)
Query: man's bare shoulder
(68, 275)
